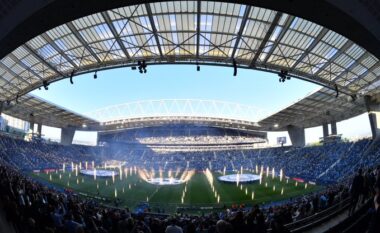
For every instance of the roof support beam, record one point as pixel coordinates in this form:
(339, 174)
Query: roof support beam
(241, 29)
(72, 28)
(365, 73)
(343, 49)
(198, 26)
(23, 65)
(154, 29)
(42, 60)
(59, 50)
(316, 40)
(284, 29)
(13, 74)
(266, 38)
(356, 63)
(114, 32)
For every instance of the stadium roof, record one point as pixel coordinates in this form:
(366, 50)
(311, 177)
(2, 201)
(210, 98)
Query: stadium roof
(192, 32)
(34, 109)
(314, 110)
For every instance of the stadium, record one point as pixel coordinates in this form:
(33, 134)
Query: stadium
(162, 116)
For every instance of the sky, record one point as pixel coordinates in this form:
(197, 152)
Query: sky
(261, 90)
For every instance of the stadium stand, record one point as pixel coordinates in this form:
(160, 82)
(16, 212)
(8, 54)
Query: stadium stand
(32, 207)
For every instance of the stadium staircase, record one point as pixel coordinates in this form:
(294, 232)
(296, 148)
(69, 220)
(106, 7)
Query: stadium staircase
(334, 219)
(319, 221)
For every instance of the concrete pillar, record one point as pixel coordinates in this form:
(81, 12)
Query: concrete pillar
(297, 135)
(67, 135)
(31, 122)
(325, 128)
(334, 130)
(373, 108)
(39, 130)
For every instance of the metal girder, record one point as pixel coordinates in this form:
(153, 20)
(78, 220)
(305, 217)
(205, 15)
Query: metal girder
(198, 26)
(115, 34)
(340, 101)
(154, 29)
(284, 29)
(12, 73)
(266, 38)
(348, 69)
(42, 60)
(59, 50)
(305, 53)
(23, 65)
(305, 76)
(241, 29)
(371, 82)
(343, 49)
(72, 28)
(327, 105)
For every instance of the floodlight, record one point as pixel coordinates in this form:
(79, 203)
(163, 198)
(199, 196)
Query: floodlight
(71, 77)
(336, 90)
(235, 66)
(45, 84)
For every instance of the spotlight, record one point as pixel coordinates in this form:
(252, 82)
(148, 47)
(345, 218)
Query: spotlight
(144, 66)
(46, 85)
(283, 76)
(141, 66)
(71, 77)
(336, 90)
(235, 66)
(95, 75)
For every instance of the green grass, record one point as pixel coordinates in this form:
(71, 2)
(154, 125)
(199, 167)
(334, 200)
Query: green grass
(133, 190)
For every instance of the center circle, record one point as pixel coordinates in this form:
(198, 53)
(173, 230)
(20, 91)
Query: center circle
(239, 178)
(165, 181)
(99, 173)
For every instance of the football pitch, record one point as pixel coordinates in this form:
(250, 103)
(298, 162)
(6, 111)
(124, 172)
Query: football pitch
(197, 192)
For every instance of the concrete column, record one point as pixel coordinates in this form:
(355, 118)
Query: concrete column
(325, 128)
(297, 135)
(334, 130)
(31, 122)
(373, 108)
(67, 135)
(39, 130)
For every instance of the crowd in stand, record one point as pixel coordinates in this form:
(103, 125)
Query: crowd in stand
(189, 140)
(39, 155)
(32, 207)
(322, 164)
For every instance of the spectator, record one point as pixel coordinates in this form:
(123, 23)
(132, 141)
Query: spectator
(356, 190)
